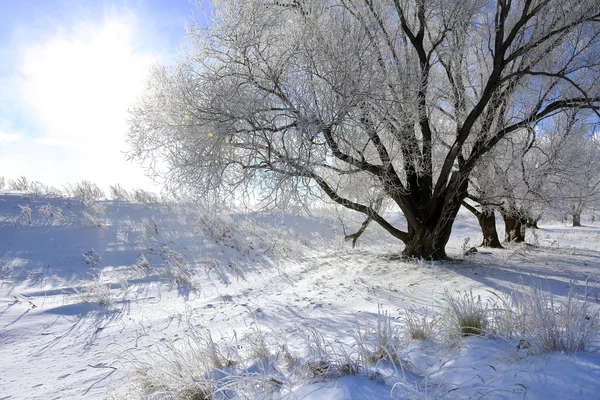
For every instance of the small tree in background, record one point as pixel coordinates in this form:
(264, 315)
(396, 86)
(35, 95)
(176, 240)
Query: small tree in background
(574, 187)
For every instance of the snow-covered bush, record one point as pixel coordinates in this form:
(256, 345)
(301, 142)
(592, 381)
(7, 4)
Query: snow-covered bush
(324, 359)
(178, 369)
(246, 235)
(145, 197)
(180, 271)
(25, 214)
(21, 184)
(142, 265)
(51, 213)
(382, 342)
(264, 366)
(97, 291)
(420, 323)
(36, 189)
(86, 192)
(542, 322)
(92, 258)
(464, 314)
(117, 192)
(122, 237)
(90, 221)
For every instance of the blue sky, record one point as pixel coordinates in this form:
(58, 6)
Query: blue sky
(68, 71)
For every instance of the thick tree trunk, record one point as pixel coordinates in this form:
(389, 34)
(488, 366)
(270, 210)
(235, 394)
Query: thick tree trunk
(426, 245)
(514, 228)
(430, 231)
(487, 222)
(576, 219)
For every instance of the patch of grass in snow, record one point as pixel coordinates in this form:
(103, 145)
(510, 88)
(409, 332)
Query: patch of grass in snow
(264, 366)
(537, 319)
(119, 193)
(194, 365)
(95, 291)
(544, 323)
(464, 314)
(421, 323)
(86, 193)
(21, 184)
(381, 343)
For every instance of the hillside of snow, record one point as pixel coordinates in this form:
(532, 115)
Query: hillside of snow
(161, 300)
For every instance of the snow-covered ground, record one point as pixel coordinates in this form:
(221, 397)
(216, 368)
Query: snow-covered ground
(117, 299)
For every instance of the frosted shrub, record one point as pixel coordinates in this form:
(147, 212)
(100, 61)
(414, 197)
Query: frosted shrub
(117, 192)
(178, 369)
(90, 221)
(464, 314)
(92, 258)
(142, 265)
(25, 214)
(122, 237)
(246, 235)
(543, 322)
(52, 192)
(219, 227)
(36, 189)
(181, 273)
(129, 223)
(420, 324)
(86, 192)
(20, 184)
(380, 343)
(150, 227)
(97, 291)
(2, 182)
(144, 196)
(51, 212)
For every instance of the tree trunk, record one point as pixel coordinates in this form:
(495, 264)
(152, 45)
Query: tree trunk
(427, 246)
(430, 231)
(532, 223)
(514, 228)
(576, 219)
(487, 222)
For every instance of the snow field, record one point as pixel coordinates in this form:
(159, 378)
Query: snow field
(161, 300)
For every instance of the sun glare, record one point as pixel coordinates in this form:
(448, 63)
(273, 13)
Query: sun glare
(79, 85)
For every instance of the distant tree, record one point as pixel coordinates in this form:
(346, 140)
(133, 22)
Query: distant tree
(523, 174)
(556, 170)
(484, 198)
(574, 186)
(510, 182)
(362, 100)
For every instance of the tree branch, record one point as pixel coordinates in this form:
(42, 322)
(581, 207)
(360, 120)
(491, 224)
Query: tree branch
(368, 211)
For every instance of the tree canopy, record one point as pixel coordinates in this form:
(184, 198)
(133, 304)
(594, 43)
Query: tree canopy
(365, 101)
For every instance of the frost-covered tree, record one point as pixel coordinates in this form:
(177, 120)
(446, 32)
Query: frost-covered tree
(509, 181)
(555, 169)
(574, 185)
(522, 172)
(484, 198)
(364, 101)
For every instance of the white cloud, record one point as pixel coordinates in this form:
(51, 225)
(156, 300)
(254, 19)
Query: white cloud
(77, 86)
(9, 137)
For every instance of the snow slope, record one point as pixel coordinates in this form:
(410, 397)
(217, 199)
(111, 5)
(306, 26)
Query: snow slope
(118, 299)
